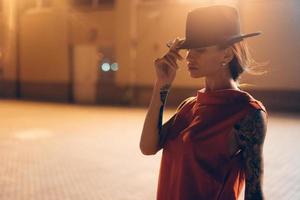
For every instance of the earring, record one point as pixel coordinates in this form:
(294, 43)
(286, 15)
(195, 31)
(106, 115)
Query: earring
(223, 64)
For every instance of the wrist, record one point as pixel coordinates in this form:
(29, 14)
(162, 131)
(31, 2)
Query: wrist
(163, 86)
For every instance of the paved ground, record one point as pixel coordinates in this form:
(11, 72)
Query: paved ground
(67, 152)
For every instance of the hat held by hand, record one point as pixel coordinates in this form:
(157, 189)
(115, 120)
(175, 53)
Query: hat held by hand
(212, 25)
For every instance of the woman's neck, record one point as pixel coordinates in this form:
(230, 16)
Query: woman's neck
(219, 83)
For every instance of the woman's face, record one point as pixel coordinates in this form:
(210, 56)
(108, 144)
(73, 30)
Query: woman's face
(205, 61)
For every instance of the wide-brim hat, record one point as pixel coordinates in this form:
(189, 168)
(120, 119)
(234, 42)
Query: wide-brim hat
(212, 25)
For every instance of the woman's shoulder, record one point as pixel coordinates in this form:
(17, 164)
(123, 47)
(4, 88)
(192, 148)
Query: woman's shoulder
(256, 112)
(253, 101)
(185, 102)
(256, 106)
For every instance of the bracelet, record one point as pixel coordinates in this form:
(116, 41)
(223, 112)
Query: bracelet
(163, 96)
(164, 90)
(165, 87)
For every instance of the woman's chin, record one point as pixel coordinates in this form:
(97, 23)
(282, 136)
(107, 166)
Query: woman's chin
(195, 75)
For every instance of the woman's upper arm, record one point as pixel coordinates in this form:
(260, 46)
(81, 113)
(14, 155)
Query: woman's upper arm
(163, 134)
(168, 124)
(251, 132)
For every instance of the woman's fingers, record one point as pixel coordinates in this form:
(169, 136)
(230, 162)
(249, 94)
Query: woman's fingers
(171, 60)
(172, 57)
(163, 61)
(170, 64)
(173, 51)
(175, 55)
(175, 44)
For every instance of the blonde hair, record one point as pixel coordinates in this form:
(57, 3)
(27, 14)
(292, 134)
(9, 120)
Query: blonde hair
(243, 61)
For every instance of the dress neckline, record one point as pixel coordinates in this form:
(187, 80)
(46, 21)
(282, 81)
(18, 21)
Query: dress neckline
(222, 96)
(219, 90)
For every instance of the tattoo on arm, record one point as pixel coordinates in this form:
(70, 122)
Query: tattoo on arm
(251, 133)
(164, 90)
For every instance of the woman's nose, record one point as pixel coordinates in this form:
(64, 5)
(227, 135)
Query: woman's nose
(188, 55)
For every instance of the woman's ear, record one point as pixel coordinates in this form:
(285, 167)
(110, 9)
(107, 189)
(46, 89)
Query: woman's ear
(228, 55)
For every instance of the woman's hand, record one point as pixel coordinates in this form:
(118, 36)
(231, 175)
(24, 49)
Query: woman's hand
(166, 66)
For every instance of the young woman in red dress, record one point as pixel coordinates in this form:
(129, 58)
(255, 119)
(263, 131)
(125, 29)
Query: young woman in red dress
(212, 146)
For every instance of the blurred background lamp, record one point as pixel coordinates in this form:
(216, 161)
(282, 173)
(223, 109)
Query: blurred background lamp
(114, 67)
(105, 67)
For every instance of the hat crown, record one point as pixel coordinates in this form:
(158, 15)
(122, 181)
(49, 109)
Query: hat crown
(212, 24)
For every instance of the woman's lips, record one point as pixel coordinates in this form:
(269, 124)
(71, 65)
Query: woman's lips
(191, 67)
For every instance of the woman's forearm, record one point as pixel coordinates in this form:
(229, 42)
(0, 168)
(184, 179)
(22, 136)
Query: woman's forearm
(153, 121)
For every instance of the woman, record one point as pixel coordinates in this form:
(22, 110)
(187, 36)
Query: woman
(213, 144)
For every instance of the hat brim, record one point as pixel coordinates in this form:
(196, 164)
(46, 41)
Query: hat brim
(240, 37)
(185, 44)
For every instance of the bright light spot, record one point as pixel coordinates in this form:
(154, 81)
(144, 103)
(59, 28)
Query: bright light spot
(114, 66)
(105, 67)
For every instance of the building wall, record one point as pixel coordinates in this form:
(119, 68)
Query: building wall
(279, 21)
(8, 29)
(95, 27)
(126, 41)
(137, 32)
(44, 55)
(1, 43)
(44, 47)
(46, 40)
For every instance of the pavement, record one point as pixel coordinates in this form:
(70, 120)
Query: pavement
(53, 151)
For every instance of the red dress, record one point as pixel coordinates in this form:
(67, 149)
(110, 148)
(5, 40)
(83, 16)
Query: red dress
(196, 163)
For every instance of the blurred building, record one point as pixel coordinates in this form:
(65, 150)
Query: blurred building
(102, 51)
